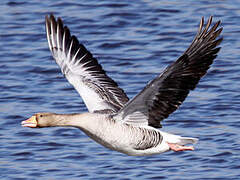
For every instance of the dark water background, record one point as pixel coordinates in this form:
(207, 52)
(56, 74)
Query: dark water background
(133, 41)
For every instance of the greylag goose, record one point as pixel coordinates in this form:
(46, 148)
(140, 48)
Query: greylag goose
(114, 121)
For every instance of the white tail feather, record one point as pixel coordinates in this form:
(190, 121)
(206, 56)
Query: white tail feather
(171, 138)
(187, 140)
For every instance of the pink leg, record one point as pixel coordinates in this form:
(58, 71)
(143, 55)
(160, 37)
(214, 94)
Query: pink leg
(177, 147)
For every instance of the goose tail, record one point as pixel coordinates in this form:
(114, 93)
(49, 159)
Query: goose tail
(187, 140)
(177, 143)
(172, 138)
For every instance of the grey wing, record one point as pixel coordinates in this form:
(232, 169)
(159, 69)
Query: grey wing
(98, 91)
(165, 93)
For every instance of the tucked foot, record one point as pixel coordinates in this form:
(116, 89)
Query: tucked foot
(177, 147)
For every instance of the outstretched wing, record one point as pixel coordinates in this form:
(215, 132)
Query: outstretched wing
(98, 91)
(165, 93)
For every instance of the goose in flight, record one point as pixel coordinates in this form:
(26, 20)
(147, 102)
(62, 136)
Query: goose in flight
(128, 126)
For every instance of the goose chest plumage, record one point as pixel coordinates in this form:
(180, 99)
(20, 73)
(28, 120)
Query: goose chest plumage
(128, 126)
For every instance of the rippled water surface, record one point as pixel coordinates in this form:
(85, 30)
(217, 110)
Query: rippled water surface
(134, 41)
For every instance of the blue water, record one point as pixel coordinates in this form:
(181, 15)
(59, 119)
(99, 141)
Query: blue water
(134, 41)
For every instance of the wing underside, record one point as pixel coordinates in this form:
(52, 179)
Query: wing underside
(97, 89)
